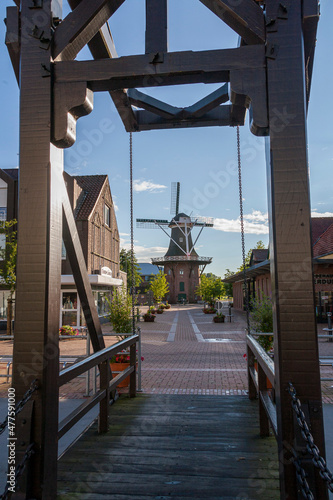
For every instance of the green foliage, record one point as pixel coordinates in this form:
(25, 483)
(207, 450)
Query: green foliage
(228, 286)
(261, 320)
(120, 311)
(126, 266)
(159, 286)
(210, 289)
(8, 255)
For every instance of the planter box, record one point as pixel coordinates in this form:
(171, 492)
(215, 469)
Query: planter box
(159, 311)
(149, 319)
(117, 368)
(269, 385)
(218, 320)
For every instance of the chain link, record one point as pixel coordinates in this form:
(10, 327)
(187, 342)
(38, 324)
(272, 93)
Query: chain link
(132, 232)
(19, 470)
(20, 404)
(312, 449)
(242, 228)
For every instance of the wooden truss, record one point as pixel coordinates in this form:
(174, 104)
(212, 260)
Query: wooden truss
(269, 73)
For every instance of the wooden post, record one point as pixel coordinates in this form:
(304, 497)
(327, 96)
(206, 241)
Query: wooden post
(263, 418)
(36, 348)
(250, 365)
(103, 421)
(156, 26)
(132, 389)
(295, 349)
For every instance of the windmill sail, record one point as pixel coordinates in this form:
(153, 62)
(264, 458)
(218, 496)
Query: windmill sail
(175, 194)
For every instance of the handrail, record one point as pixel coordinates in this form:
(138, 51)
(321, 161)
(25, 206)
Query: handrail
(266, 363)
(95, 359)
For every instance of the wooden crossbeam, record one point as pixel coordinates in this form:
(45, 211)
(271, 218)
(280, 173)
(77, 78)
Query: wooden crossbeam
(311, 15)
(219, 117)
(79, 27)
(102, 46)
(244, 17)
(164, 110)
(156, 26)
(177, 68)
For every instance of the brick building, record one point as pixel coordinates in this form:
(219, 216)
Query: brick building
(259, 278)
(91, 200)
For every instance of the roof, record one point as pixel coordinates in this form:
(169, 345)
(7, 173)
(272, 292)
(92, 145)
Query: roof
(324, 244)
(91, 186)
(258, 255)
(12, 172)
(318, 226)
(147, 269)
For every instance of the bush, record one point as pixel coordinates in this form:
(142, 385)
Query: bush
(261, 320)
(121, 311)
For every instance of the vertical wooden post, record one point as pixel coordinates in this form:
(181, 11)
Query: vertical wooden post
(296, 351)
(103, 420)
(263, 418)
(156, 26)
(250, 365)
(36, 348)
(132, 389)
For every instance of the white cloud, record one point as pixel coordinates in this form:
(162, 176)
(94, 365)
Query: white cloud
(140, 185)
(314, 213)
(254, 223)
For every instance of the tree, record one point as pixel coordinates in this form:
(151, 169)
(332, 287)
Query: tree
(8, 255)
(261, 320)
(120, 311)
(159, 286)
(228, 286)
(126, 266)
(210, 289)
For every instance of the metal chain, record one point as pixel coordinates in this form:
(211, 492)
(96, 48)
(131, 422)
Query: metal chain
(242, 228)
(20, 404)
(132, 233)
(19, 470)
(313, 450)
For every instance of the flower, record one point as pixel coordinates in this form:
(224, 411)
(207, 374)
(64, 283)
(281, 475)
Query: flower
(68, 330)
(122, 357)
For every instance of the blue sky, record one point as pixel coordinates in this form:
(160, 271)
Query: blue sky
(202, 160)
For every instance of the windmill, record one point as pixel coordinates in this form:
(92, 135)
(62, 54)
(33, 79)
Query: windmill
(182, 265)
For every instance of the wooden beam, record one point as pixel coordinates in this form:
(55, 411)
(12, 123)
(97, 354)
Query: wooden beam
(17, 3)
(156, 26)
(295, 337)
(221, 116)
(102, 46)
(208, 103)
(12, 39)
(151, 104)
(79, 269)
(311, 13)
(80, 26)
(244, 17)
(177, 67)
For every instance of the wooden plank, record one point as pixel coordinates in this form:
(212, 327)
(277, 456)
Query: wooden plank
(12, 38)
(156, 26)
(193, 456)
(245, 17)
(140, 70)
(79, 27)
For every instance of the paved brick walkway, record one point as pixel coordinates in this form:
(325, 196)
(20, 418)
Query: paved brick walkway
(185, 353)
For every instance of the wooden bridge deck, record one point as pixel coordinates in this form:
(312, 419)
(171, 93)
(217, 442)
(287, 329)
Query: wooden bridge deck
(166, 447)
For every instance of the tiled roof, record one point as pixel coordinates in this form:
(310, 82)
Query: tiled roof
(318, 226)
(92, 186)
(259, 255)
(12, 172)
(324, 244)
(147, 269)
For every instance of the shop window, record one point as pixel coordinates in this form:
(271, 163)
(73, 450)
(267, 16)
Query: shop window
(101, 301)
(63, 251)
(182, 286)
(107, 213)
(69, 312)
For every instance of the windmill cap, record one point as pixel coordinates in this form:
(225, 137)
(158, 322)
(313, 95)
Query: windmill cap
(181, 218)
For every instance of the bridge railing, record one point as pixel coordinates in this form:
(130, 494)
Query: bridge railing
(262, 383)
(102, 359)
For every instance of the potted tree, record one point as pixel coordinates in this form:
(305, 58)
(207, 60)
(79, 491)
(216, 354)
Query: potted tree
(159, 288)
(210, 289)
(8, 267)
(219, 318)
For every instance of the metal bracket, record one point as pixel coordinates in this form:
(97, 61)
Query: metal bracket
(37, 33)
(157, 58)
(271, 50)
(271, 25)
(282, 11)
(36, 4)
(45, 70)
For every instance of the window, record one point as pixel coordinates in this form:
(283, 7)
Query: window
(181, 239)
(63, 251)
(182, 286)
(107, 219)
(169, 272)
(69, 309)
(181, 271)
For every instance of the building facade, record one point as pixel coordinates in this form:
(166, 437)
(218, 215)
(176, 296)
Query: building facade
(94, 213)
(259, 278)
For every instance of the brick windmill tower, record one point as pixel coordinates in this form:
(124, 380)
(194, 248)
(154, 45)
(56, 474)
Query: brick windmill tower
(182, 265)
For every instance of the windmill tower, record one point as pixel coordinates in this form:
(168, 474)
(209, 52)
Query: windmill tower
(182, 265)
